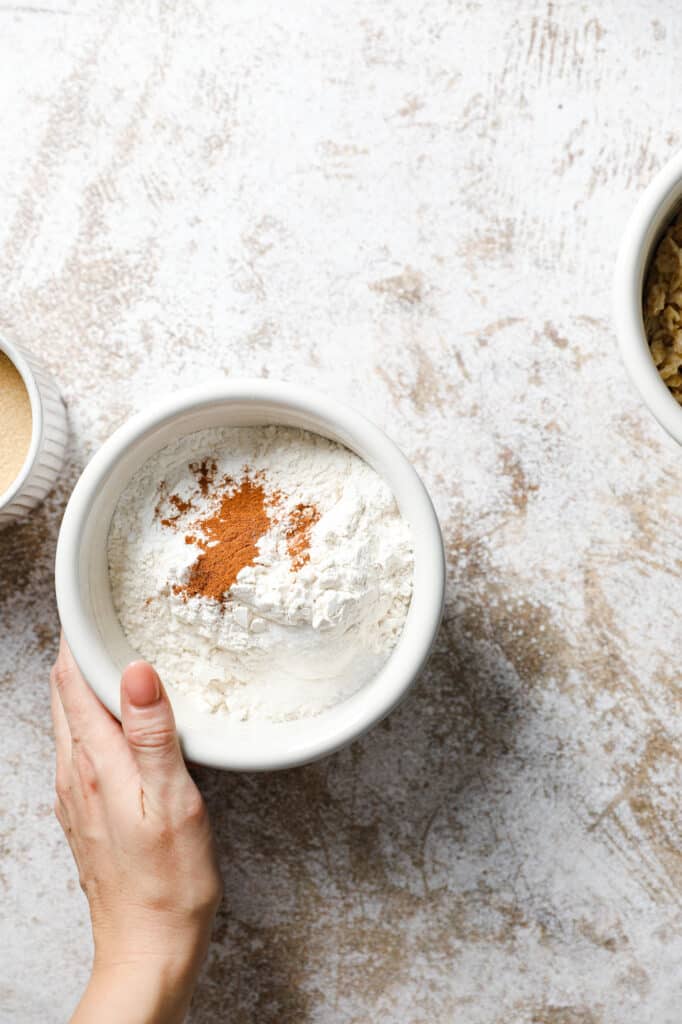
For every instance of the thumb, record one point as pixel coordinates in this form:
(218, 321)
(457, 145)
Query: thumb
(149, 725)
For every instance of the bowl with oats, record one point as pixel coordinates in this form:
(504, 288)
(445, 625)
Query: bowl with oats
(647, 299)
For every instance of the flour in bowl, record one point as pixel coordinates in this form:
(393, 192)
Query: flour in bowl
(266, 571)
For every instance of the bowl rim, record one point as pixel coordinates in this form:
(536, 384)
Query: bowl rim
(420, 630)
(21, 364)
(654, 208)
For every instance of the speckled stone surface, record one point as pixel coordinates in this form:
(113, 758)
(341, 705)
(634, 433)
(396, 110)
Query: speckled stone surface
(415, 208)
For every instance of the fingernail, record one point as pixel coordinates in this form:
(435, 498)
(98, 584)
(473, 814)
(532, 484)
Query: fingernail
(142, 684)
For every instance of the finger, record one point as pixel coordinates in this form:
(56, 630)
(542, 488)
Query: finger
(63, 798)
(62, 736)
(149, 727)
(86, 716)
(62, 817)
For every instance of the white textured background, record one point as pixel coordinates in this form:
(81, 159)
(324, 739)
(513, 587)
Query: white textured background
(414, 207)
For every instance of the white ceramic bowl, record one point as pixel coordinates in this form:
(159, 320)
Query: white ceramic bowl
(658, 205)
(84, 596)
(49, 435)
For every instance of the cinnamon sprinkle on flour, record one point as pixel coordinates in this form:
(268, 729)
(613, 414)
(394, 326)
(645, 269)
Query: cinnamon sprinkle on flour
(228, 540)
(228, 536)
(302, 518)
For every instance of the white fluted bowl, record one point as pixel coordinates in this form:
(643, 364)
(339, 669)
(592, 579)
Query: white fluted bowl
(49, 435)
(84, 593)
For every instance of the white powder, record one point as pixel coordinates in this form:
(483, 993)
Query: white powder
(285, 642)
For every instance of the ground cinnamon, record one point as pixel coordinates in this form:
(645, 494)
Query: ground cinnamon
(301, 520)
(178, 507)
(229, 542)
(229, 535)
(205, 472)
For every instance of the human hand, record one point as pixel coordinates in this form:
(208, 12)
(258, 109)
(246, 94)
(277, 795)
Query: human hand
(139, 833)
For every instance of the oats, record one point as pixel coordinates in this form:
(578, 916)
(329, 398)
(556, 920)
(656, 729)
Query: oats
(662, 308)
